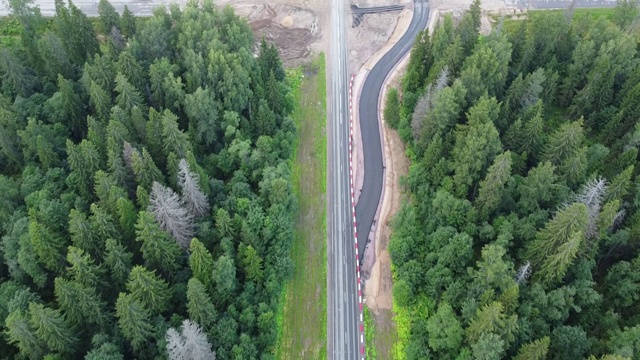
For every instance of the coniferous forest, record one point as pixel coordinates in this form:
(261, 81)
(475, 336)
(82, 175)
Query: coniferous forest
(520, 235)
(145, 196)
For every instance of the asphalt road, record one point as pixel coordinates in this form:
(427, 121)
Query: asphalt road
(90, 7)
(343, 340)
(371, 145)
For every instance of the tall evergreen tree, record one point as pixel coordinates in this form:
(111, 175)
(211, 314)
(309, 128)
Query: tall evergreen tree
(52, 328)
(200, 306)
(134, 320)
(158, 249)
(152, 292)
(109, 17)
(128, 23)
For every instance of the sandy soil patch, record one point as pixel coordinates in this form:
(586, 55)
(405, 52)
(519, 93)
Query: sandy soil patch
(301, 28)
(378, 286)
(296, 27)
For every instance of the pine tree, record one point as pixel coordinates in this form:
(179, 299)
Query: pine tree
(475, 148)
(574, 167)
(102, 224)
(252, 264)
(620, 185)
(564, 142)
(224, 276)
(492, 187)
(134, 320)
(444, 329)
(204, 119)
(81, 232)
(538, 188)
(392, 109)
(118, 260)
(170, 214)
(174, 139)
(51, 327)
(51, 48)
(154, 136)
(73, 107)
(132, 71)
(128, 95)
(97, 134)
(145, 170)
(200, 306)
(84, 42)
(488, 347)
(109, 17)
(101, 100)
(127, 216)
(138, 124)
(224, 223)
(564, 230)
(193, 198)
(83, 269)
(19, 332)
(158, 249)
(48, 246)
(128, 23)
(555, 266)
(80, 304)
(200, 262)
(491, 319)
(150, 290)
(190, 343)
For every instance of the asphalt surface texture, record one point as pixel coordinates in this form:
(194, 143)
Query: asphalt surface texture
(371, 142)
(343, 340)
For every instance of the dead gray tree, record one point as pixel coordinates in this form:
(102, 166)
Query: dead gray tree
(192, 197)
(592, 195)
(523, 273)
(190, 344)
(170, 214)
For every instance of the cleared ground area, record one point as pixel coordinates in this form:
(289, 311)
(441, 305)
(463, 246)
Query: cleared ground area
(303, 322)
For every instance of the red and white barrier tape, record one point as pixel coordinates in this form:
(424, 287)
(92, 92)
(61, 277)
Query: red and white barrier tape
(353, 212)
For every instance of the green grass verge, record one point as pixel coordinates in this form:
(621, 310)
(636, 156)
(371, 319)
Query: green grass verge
(370, 334)
(302, 320)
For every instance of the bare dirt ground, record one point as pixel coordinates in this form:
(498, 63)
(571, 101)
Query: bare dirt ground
(378, 286)
(300, 28)
(296, 27)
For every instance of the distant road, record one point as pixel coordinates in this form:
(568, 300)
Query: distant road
(90, 7)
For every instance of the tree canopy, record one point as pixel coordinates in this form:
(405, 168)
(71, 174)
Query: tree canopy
(144, 176)
(518, 238)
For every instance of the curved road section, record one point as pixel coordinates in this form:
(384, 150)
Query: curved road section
(371, 141)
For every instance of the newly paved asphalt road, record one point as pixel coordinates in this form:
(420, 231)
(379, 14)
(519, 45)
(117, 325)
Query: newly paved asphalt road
(371, 145)
(343, 311)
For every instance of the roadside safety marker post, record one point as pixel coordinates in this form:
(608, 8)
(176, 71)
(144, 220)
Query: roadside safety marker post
(353, 210)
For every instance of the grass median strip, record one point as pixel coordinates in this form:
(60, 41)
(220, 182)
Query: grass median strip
(303, 318)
